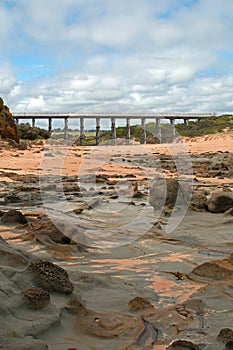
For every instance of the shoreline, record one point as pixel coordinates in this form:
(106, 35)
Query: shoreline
(138, 278)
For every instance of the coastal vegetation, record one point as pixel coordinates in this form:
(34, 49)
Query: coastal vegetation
(206, 126)
(27, 132)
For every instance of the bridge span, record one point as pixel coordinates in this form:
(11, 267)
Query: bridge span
(128, 116)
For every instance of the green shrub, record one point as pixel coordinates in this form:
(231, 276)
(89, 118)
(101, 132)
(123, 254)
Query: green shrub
(27, 132)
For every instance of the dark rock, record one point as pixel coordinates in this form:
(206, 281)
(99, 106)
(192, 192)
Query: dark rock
(12, 198)
(220, 201)
(36, 298)
(183, 345)
(25, 343)
(229, 345)
(51, 277)
(139, 303)
(13, 216)
(225, 335)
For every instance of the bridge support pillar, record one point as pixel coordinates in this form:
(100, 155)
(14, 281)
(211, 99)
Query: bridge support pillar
(97, 135)
(127, 136)
(113, 131)
(143, 131)
(33, 122)
(17, 120)
(186, 122)
(66, 128)
(50, 125)
(82, 134)
(173, 130)
(158, 130)
(198, 122)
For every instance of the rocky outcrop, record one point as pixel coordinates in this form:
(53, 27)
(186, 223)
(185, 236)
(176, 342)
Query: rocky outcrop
(8, 128)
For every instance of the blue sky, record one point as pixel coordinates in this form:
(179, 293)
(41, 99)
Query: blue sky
(71, 55)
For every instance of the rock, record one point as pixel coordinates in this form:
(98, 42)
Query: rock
(11, 257)
(215, 270)
(25, 343)
(198, 201)
(51, 277)
(36, 298)
(229, 345)
(182, 345)
(136, 192)
(8, 127)
(139, 303)
(225, 335)
(101, 324)
(229, 212)
(165, 192)
(13, 217)
(220, 201)
(12, 198)
(22, 146)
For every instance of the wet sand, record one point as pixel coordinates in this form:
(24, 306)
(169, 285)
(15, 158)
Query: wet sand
(140, 278)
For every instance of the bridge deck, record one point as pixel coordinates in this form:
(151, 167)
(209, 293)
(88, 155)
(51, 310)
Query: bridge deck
(131, 115)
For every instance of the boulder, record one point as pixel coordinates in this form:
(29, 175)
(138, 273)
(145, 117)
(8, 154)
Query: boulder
(215, 270)
(183, 345)
(8, 127)
(50, 276)
(220, 201)
(225, 335)
(36, 298)
(13, 217)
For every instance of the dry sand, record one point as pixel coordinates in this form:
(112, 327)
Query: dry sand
(117, 249)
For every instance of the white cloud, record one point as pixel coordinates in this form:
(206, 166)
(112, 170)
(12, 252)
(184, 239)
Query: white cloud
(153, 54)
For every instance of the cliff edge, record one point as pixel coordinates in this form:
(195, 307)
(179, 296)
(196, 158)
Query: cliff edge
(8, 127)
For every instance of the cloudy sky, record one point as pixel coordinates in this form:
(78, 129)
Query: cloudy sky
(71, 55)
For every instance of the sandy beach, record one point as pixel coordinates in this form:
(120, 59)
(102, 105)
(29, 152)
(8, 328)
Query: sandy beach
(117, 247)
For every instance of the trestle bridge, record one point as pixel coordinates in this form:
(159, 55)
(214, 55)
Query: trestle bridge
(142, 117)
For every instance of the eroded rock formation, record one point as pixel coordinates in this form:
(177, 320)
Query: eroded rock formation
(8, 128)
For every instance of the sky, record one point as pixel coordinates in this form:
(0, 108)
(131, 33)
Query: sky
(93, 55)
